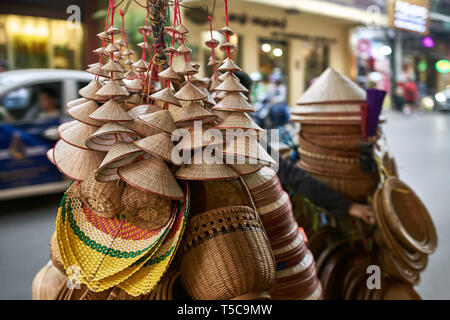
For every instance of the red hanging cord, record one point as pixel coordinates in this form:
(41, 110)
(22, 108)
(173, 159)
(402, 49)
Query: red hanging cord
(213, 50)
(104, 41)
(111, 56)
(226, 23)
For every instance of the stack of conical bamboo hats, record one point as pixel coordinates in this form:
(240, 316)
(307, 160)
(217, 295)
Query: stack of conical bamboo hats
(118, 224)
(296, 270)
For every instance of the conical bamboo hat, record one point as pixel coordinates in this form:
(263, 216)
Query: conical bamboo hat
(109, 129)
(121, 42)
(120, 154)
(190, 92)
(137, 125)
(244, 149)
(106, 175)
(326, 109)
(105, 137)
(198, 138)
(212, 43)
(98, 71)
(245, 169)
(332, 87)
(113, 66)
(76, 102)
(194, 111)
(228, 46)
(152, 175)
(229, 65)
(104, 36)
(226, 30)
(212, 61)
(206, 171)
(100, 51)
(112, 30)
(110, 111)
(142, 109)
(158, 145)
(135, 85)
(90, 91)
(130, 74)
(231, 84)
(111, 89)
(74, 162)
(209, 99)
(67, 125)
(259, 178)
(141, 64)
(169, 73)
(82, 111)
(239, 120)
(234, 101)
(166, 95)
(143, 45)
(182, 29)
(50, 156)
(161, 120)
(111, 47)
(133, 100)
(200, 82)
(128, 52)
(77, 134)
(188, 68)
(183, 49)
(225, 75)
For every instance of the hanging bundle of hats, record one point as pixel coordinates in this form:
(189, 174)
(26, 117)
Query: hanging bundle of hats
(120, 222)
(221, 216)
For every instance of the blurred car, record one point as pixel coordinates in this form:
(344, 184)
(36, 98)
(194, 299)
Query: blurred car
(27, 131)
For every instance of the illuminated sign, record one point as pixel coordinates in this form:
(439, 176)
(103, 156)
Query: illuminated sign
(442, 66)
(410, 15)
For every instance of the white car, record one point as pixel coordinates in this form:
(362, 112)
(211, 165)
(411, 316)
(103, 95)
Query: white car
(25, 136)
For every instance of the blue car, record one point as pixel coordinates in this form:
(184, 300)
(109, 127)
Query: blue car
(32, 105)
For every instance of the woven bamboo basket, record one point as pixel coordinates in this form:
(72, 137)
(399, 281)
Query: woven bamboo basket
(101, 197)
(354, 185)
(347, 142)
(144, 209)
(344, 164)
(335, 129)
(226, 255)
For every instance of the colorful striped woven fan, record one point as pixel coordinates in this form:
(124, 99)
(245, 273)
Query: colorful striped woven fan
(105, 251)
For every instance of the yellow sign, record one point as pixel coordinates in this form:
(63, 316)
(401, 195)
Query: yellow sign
(410, 15)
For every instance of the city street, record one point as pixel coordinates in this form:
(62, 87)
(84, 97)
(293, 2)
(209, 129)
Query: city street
(419, 143)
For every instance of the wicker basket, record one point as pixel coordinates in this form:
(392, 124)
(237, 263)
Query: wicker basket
(144, 209)
(355, 186)
(101, 197)
(226, 255)
(347, 142)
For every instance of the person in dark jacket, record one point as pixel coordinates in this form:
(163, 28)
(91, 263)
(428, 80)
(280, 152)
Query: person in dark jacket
(302, 183)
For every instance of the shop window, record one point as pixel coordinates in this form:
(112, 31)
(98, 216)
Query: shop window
(32, 102)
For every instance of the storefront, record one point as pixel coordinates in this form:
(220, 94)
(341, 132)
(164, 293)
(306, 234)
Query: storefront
(275, 38)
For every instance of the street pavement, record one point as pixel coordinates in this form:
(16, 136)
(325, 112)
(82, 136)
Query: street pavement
(420, 144)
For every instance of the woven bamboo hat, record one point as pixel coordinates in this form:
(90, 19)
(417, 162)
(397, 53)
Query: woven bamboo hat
(234, 101)
(169, 73)
(228, 47)
(76, 134)
(188, 69)
(158, 145)
(166, 95)
(183, 49)
(111, 89)
(199, 138)
(130, 74)
(82, 111)
(90, 91)
(136, 85)
(74, 162)
(161, 120)
(212, 61)
(152, 175)
(229, 65)
(111, 110)
(139, 126)
(105, 137)
(113, 66)
(238, 120)
(231, 84)
(193, 111)
(76, 102)
(141, 64)
(99, 51)
(332, 87)
(50, 156)
(98, 71)
(244, 169)
(206, 171)
(190, 92)
(259, 178)
(120, 154)
(182, 29)
(209, 98)
(326, 108)
(106, 174)
(244, 149)
(225, 75)
(67, 125)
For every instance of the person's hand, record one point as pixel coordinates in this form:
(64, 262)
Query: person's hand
(363, 212)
